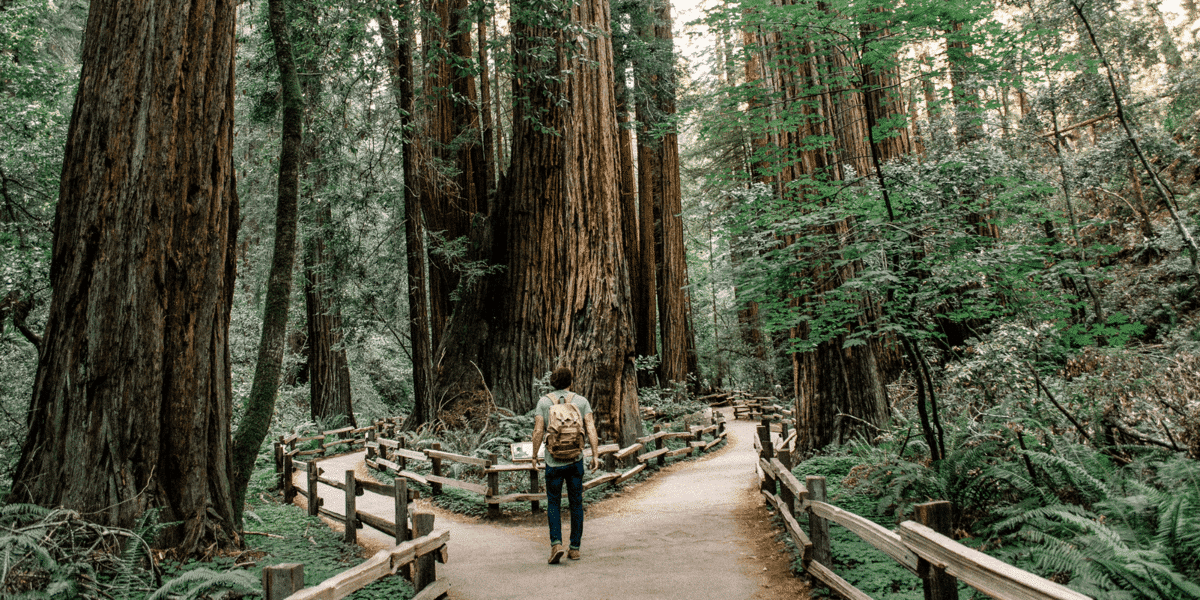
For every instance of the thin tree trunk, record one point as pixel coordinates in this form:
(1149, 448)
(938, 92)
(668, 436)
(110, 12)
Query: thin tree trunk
(399, 47)
(485, 105)
(642, 294)
(132, 400)
(260, 406)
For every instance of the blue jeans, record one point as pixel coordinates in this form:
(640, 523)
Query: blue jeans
(572, 474)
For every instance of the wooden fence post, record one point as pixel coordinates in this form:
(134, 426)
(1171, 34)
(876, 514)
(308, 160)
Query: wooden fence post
(289, 490)
(282, 580)
(436, 468)
(785, 456)
(658, 445)
(818, 526)
(371, 438)
(610, 462)
(535, 486)
(939, 585)
(788, 498)
(767, 453)
(314, 501)
(351, 533)
(279, 460)
(401, 460)
(493, 487)
(400, 487)
(425, 573)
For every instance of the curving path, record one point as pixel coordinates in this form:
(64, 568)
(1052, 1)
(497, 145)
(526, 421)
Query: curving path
(697, 530)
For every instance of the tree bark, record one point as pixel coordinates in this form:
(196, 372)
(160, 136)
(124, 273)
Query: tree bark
(260, 406)
(328, 369)
(485, 105)
(132, 400)
(642, 293)
(659, 145)
(563, 297)
(399, 46)
(453, 175)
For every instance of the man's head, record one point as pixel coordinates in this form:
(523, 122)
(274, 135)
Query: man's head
(560, 379)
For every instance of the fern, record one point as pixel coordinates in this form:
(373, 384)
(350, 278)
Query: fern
(1067, 473)
(197, 581)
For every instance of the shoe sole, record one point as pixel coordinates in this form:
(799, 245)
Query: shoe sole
(556, 557)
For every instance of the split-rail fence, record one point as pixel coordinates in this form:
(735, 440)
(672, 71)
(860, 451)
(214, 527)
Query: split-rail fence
(922, 546)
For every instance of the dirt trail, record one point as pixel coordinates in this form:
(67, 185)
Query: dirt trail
(697, 530)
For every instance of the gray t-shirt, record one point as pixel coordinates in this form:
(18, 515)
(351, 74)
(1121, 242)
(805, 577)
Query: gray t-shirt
(543, 410)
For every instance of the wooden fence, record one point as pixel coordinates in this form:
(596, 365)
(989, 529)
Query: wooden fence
(620, 464)
(415, 557)
(923, 546)
(391, 455)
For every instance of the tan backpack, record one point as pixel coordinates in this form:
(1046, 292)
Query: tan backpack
(565, 429)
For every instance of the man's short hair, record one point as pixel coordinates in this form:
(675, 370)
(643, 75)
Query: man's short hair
(560, 379)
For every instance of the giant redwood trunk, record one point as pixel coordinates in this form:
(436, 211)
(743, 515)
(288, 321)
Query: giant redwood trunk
(453, 174)
(132, 399)
(662, 191)
(563, 297)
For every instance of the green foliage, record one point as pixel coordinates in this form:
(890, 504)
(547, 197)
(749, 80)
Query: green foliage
(199, 582)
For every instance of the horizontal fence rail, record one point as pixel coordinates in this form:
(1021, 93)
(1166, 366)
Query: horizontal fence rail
(415, 557)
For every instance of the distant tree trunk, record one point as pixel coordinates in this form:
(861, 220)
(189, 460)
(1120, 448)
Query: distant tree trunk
(485, 105)
(642, 293)
(132, 400)
(328, 370)
(748, 311)
(563, 297)
(967, 119)
(659, 156)
(260, 406)
(399, 48)
(837, 388)
(453, 179)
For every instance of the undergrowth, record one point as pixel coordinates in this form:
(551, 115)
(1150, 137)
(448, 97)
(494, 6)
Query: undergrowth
(1118, 522)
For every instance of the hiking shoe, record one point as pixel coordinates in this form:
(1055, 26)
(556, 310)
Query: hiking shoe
(573, 554)
(556, 553)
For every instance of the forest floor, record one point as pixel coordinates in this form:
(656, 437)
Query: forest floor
(697, 529)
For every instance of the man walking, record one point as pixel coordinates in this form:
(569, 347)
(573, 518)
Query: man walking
(563, 418)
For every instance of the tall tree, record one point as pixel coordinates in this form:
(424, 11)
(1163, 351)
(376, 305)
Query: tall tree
(260, 405)
(132, 402)
(661, 192)
(563, 296)
(453, 173)
(328, 367)
(626, 46)
(399, 47)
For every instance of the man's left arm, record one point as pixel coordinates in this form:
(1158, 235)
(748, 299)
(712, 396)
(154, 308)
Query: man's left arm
(589, 423)
(539, 430)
